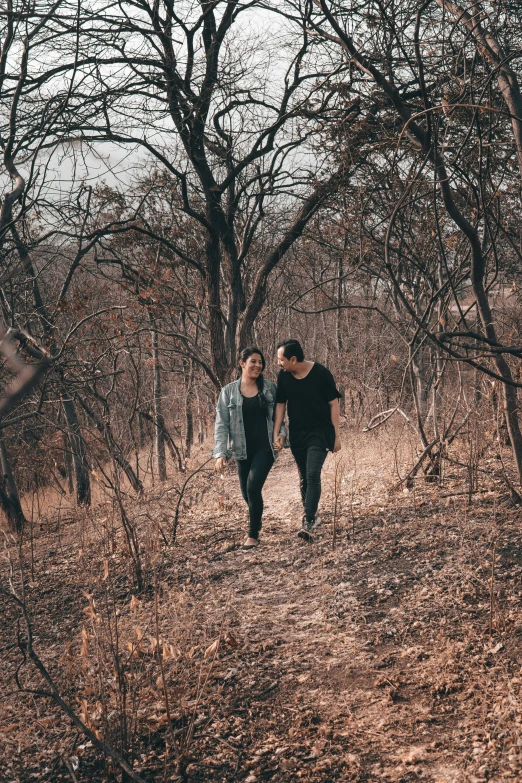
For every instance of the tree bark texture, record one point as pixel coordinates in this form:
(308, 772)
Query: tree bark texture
(77, 445)
(159, 422)
(9, 497)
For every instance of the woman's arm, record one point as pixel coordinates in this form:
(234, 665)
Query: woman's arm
(222, 426)
(279, 439)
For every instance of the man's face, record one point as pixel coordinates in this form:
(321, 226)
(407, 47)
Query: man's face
(286, 364)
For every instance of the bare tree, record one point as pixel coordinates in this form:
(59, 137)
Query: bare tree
(232, 142)
(458, 148)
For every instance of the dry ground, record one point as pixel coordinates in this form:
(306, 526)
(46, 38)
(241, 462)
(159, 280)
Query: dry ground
(393, 656)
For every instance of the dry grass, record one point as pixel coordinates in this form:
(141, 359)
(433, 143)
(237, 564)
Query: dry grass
(393, 656)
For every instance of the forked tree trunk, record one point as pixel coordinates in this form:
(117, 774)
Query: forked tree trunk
(114, 449)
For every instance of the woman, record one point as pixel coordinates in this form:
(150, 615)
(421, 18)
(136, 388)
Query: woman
(244, 430)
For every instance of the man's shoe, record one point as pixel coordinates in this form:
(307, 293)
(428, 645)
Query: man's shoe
(306, 529)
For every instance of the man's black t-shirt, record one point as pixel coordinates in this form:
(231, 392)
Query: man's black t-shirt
(309, 411)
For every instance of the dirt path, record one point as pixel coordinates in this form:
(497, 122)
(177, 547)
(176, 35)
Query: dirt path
(362, 662)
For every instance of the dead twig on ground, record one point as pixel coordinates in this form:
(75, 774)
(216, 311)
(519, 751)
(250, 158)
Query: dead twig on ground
(415, 469)
(70, 770)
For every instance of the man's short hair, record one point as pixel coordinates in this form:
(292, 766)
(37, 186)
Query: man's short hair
(292, 348)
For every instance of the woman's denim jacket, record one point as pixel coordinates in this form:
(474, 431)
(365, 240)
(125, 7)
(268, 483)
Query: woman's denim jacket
(229, 432)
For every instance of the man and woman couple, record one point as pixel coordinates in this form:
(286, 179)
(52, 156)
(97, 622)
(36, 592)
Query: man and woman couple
(250, 428)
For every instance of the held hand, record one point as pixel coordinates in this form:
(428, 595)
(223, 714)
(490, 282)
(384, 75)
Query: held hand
(279, 442)
(337, 445)
(219, 465)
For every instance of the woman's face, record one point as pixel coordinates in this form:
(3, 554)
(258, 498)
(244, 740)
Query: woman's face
(253, 367)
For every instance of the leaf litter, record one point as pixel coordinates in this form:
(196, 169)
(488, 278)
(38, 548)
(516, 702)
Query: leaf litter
(394, 656)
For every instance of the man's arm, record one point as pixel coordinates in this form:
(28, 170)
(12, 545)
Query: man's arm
(335, 413)
(279, 415)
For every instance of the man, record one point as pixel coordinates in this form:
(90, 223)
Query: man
(313, 414)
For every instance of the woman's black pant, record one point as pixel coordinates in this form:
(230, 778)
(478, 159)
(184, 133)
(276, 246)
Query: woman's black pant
(252, 476)
(310, 462)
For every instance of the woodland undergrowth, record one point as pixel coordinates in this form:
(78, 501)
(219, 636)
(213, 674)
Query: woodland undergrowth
(143, 648)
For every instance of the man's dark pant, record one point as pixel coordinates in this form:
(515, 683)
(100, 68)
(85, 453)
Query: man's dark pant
(310, 462)
(252, 476)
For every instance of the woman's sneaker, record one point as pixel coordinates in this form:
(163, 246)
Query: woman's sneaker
(306, 528)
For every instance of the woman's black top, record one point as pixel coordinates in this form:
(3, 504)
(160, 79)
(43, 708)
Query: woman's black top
(256, 427)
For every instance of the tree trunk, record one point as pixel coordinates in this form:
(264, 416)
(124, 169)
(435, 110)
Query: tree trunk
(419, 389)
(188, 369)
(189, 435)
(338, 314)
(313, 354)
(67, 458)
(215, 315)
(77, 446)
(141, 432)
(9, 498)
(201, 429)
(509, 392)
(159, 422)
(326, 341)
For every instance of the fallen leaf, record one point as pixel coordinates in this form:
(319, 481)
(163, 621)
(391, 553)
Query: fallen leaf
(89, 611)
(84, 652)
(133, 648)
(212, 649)
(230, 640)
(135, 603)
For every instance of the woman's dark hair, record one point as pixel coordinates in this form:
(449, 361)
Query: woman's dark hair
(292, 348)
(260, 381)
